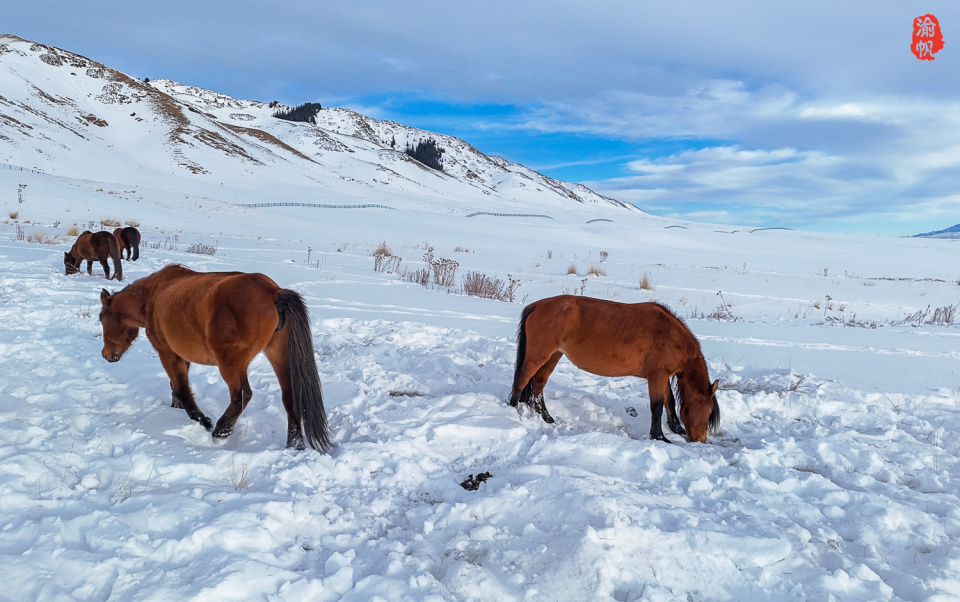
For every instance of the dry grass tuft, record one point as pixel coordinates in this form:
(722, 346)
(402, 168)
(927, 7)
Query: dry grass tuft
(645, 283)
(201, 249)
(477, 284)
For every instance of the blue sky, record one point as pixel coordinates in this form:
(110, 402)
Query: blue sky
(810, 115)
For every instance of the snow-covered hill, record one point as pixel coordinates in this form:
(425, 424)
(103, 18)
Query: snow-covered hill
(67, 115)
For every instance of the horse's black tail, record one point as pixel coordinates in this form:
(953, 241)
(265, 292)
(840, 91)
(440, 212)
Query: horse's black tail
(135, 241)
(527, 392)
(306, 391)
(115, 255)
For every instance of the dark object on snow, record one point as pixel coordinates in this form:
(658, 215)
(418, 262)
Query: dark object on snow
(428, 153)
(307, 112)
(472, 484)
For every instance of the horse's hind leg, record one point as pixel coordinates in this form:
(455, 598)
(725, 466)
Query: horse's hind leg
(90, 266)
(538, 382)
(235, 375)
(177, 368)
(106, 267)
(276, 353)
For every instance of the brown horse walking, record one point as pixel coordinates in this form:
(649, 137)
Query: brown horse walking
(223, 319)
(617, 339)
(92, 246)
(128, 239)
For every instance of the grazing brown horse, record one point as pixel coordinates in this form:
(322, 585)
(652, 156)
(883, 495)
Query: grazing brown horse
(128, 239)
(94, 246)
(222, 319)
(617, 339)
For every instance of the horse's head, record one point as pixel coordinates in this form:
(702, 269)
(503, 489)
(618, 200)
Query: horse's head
(119, 328)
(700, 413)
(71, 264)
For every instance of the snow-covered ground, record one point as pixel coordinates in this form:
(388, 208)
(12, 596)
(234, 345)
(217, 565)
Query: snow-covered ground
(835, 476)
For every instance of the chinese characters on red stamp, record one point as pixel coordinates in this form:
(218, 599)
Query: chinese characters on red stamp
(927, 37)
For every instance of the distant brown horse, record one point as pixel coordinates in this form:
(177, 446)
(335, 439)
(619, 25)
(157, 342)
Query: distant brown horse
(128, 239)
(94, 246)
(222, 319)
(617, 339)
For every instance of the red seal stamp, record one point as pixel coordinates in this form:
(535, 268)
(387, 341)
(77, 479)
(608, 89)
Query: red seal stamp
(927, 37)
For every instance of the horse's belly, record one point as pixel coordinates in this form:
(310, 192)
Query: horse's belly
(605, 364)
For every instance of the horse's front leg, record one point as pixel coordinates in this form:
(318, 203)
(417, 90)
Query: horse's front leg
(90, 266)
(177, 368)
(659, 388)
(240, 394)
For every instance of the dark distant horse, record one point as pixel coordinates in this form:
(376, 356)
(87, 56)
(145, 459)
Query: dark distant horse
(617, 339)
(94, 246)
(128, 239)
(223, 319)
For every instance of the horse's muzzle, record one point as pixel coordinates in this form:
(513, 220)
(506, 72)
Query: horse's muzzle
(111, 356)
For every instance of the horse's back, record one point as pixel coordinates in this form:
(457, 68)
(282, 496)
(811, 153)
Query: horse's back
(197, 311)
(607, 337)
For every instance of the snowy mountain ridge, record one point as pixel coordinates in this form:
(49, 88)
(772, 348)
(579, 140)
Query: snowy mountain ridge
(67, 115)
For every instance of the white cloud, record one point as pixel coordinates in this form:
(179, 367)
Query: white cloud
(845, 111)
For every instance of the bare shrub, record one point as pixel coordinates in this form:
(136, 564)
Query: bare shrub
(110, 222)
(444, 271)
(384, 260)
(42, 238)
(603, 256)
(944, 315)
(14, 214)
(382, 263)
(477, 284)
(74, 230)
(722, 312)
(201, 249)
(918, 316)
(132, 223)
(420, 276)
(572, 269)
(645, 283)
(596, 270)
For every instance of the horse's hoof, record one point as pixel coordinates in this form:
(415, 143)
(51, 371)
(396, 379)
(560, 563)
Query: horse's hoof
(296, 444)
(206, 423)
(661, 438)
(222, 432)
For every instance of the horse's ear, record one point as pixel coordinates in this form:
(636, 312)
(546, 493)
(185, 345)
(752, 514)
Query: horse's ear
(714, 387)
(104, 296)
